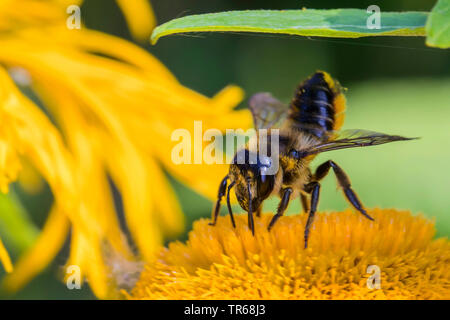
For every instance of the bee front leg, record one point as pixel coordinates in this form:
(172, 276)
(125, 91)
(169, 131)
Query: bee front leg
(286, 193)
(314, 189)
(222, 189)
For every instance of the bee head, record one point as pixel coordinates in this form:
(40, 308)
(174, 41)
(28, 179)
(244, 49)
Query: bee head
(253, 181)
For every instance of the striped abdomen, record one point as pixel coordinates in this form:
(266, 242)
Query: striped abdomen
(318, 106)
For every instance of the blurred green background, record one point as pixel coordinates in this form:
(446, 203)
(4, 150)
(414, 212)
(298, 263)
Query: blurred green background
(395, 85)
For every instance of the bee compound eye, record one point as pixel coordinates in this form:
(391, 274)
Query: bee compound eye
(294, 153)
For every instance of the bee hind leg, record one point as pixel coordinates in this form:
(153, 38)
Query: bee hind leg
(281, 207)
(304, 202)
(344, 183)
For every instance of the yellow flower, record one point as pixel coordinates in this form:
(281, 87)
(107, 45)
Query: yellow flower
(4, 258)
(139, 16)
(20, 14)
(115, 107)
(222, 263)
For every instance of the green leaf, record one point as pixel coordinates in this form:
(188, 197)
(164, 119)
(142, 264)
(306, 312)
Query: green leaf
(438, 25)
(344, 23)
(16, 228)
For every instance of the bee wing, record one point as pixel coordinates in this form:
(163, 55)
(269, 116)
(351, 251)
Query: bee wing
(354, 138)
(267, 111)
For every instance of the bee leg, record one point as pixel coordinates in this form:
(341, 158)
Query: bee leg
(229, 204)
(281, 207)
(222, 190)
(251, 225)
(304, 202)
(344, 183)
(258, 212)
(314, 189)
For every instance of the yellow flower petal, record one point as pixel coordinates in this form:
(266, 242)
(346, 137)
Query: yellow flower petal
(228, 98)
(29, 179)
(166, 203)
(50, 241)
(94, 41)
(93, 184)
(140, 17)
(87, 254)
(130, 173)
(4, 258)
(36, 138)
(10, 165)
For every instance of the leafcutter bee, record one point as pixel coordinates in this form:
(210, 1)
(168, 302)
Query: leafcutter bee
(307, 126)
